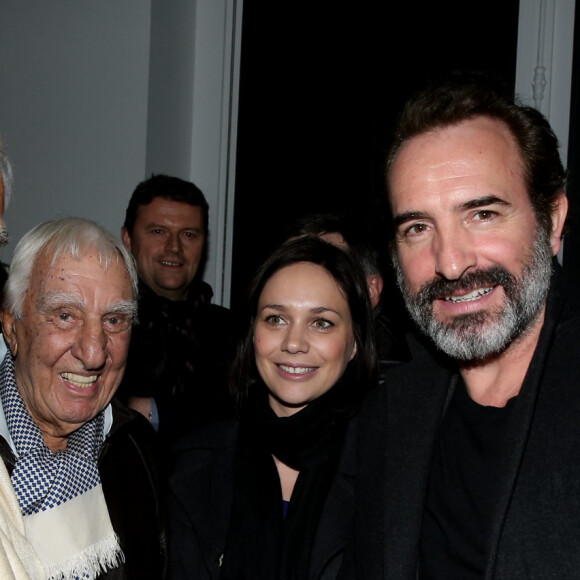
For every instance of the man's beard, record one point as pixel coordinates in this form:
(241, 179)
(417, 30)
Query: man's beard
(3, 235)
(477, 335)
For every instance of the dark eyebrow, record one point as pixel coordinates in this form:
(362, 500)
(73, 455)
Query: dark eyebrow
(277, 307)
(483, 201)
(471, 204)
(316, 310)
(408, 216)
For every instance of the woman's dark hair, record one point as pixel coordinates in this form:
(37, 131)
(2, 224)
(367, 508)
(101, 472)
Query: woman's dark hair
(350, 279)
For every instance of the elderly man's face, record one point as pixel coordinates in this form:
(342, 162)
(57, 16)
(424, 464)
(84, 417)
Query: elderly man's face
(71, 344)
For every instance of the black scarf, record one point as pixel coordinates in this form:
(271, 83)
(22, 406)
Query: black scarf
(262, 544)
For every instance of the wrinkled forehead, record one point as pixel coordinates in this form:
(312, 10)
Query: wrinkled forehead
(52, 270)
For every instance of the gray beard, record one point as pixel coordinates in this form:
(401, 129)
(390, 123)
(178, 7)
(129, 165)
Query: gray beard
(476, 336)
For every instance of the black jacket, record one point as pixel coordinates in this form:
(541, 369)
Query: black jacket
(179, 354)
(129, 475)
(201, 490)
(536, 523)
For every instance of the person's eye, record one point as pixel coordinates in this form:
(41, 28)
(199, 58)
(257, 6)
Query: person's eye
(416, 229)
(485, 215)
(413, 230)
(64, 319)
(322, 324)
(274, 320)
(116, 323)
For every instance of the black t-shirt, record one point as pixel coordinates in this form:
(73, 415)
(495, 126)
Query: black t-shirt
(463, 487)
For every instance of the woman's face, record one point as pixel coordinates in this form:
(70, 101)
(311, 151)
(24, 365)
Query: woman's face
(303, 336)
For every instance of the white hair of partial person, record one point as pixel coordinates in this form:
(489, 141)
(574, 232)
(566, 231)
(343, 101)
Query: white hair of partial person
(71, 236)
(6, 174)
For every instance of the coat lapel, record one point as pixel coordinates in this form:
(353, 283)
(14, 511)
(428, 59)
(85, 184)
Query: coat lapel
(205, 489)
(334, 526)
(414, 410)
(519, 429)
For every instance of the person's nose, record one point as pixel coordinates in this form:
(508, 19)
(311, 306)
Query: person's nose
(91, 345)
(295, 340)
(173, 243)
(454, 253)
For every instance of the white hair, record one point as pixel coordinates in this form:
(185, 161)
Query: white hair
(70, 236)
(6, 174)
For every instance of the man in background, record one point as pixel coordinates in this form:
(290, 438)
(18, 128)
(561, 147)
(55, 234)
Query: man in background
(180, 348)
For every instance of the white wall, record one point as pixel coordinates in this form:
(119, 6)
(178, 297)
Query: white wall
(544, 64)
(193, 96)
(544, 67)
(96, 96)
(73, 107)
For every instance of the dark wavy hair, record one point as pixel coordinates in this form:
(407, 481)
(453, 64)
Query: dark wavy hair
(167, 187)
(462, 96)
(350, 279)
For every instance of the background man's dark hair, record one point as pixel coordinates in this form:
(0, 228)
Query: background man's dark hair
(167, 187)
(317, 224)
(465, 95)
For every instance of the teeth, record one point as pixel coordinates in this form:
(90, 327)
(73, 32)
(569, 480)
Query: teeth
(166, 263)
(79, 380)
(475, 295)
(296, 370)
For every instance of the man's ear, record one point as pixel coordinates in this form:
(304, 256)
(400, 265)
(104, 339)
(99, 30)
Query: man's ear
(9, 331)
(375, 284)
(126, 238)
(559, 212)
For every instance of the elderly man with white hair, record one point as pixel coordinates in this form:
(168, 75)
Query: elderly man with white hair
(83, 468)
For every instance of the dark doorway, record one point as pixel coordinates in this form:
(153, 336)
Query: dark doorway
(321, 87)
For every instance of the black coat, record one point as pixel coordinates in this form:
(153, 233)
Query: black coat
(132, 490)
(201, 490)
(179, 354)
(536, 523)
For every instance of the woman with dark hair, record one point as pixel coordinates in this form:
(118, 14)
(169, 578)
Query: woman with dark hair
(258, 498)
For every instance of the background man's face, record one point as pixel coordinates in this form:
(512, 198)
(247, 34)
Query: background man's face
(470, 259)
(71, 343)
(167, 242)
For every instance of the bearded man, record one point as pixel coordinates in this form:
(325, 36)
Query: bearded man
(468, 456)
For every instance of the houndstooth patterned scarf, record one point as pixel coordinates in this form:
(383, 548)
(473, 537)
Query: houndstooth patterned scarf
(60, 493)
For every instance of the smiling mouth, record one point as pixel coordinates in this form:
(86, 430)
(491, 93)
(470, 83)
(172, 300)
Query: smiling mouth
(169, 263)
(296, 370)
(475, 295)
(80, 380)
